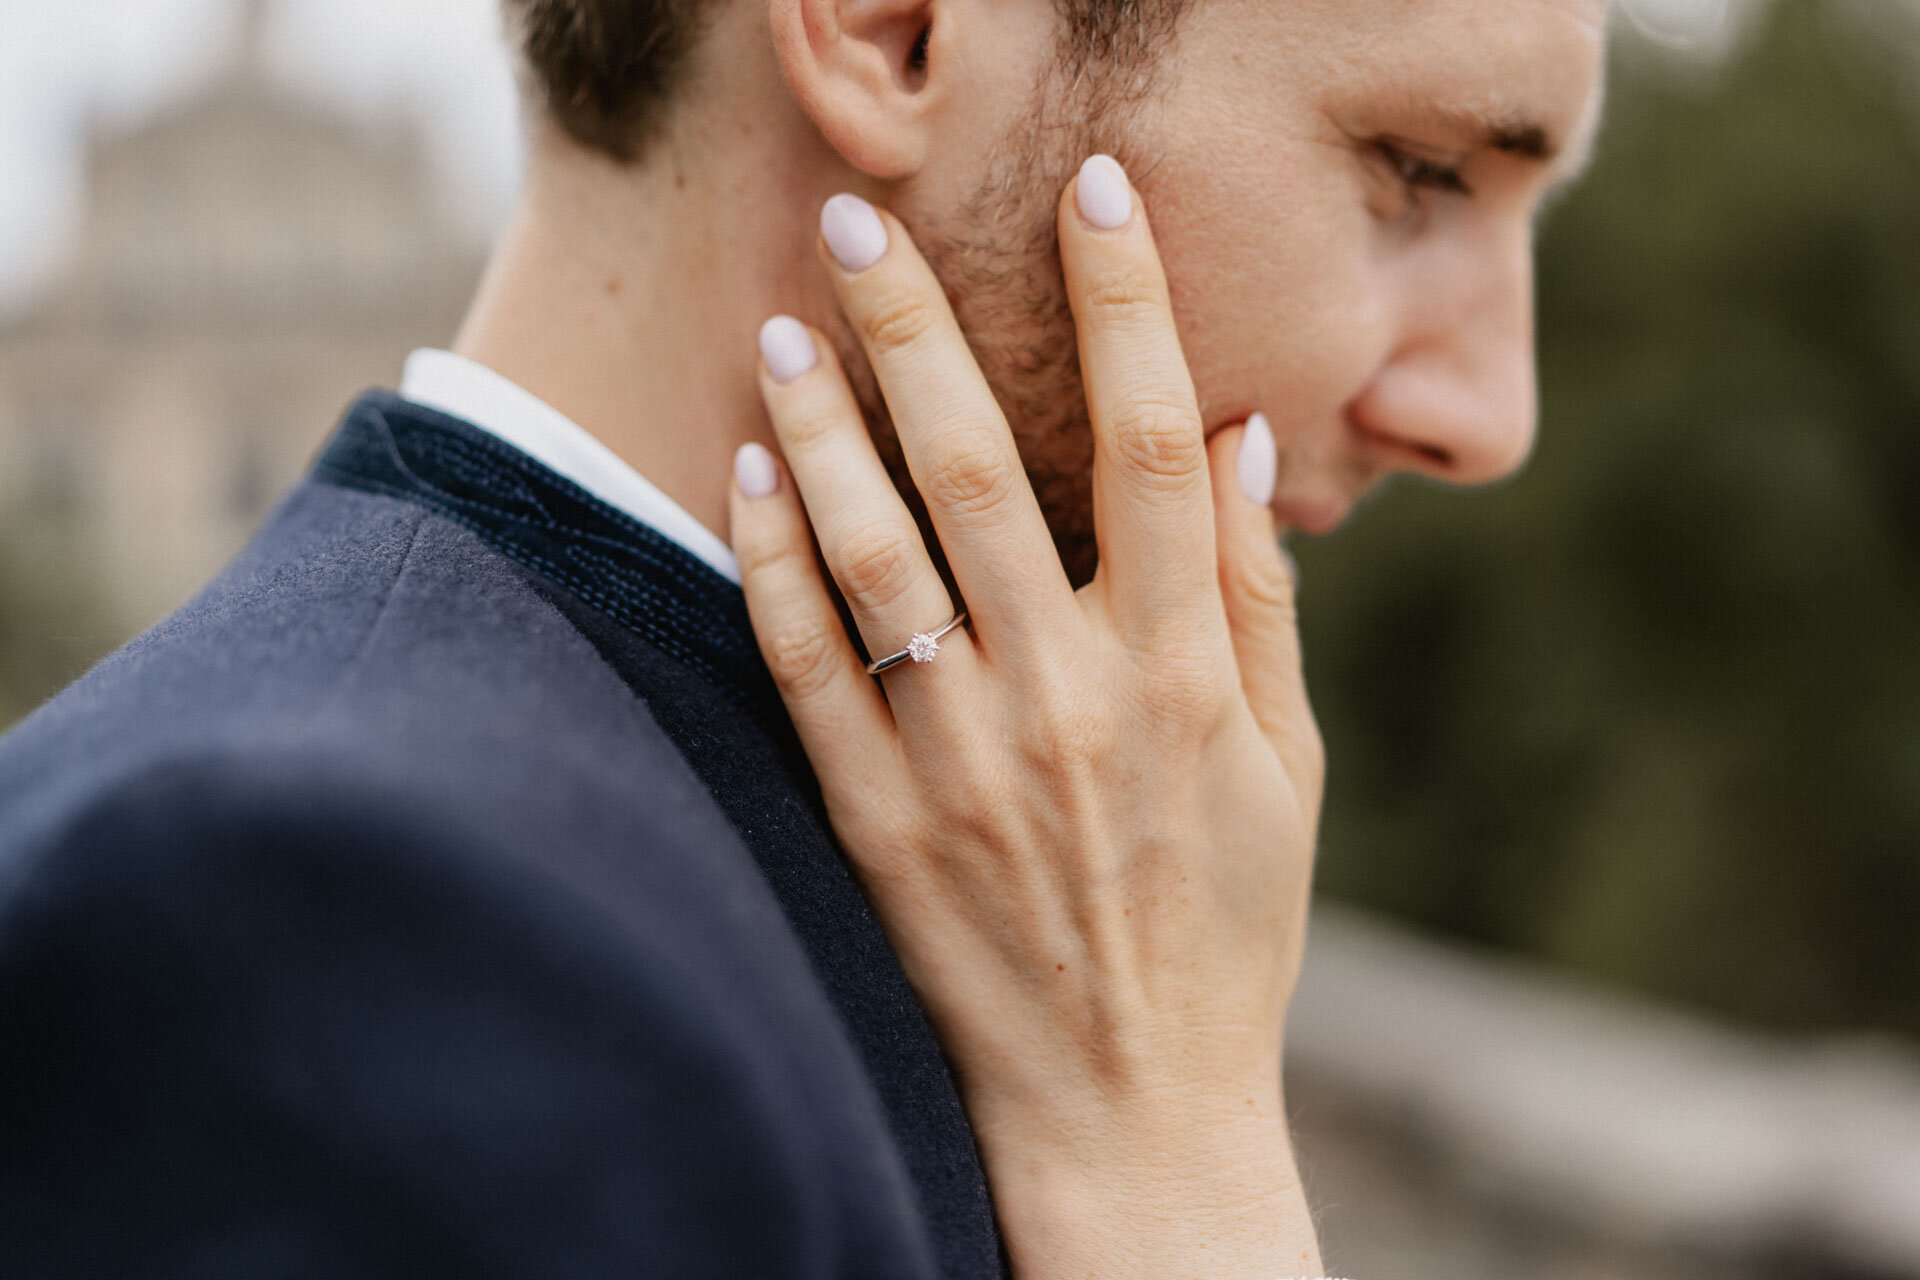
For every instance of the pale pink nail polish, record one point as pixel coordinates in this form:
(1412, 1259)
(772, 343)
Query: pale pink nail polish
(755, 470)
(1258, 467)
(1104, 195)
(853, 232)
(787, 348)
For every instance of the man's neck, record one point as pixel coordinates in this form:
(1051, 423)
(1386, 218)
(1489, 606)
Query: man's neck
(628, 298)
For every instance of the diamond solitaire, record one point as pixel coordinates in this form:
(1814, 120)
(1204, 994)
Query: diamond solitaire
(924, 647)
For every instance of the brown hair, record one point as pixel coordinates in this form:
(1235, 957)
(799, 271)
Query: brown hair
(607, 69)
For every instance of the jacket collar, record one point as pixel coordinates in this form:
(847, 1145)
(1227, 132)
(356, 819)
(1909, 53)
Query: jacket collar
(642, 579)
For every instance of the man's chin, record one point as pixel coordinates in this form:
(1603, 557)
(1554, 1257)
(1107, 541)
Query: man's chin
(1315, 517)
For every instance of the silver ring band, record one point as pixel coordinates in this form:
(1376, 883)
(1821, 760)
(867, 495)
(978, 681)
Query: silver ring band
(924, 647)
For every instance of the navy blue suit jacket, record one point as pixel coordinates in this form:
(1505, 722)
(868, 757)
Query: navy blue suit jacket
(443, 893)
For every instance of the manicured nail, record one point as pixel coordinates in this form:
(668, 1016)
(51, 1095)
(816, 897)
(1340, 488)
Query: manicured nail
(755, 470)
(1103, 193)
(787, 348)
(1258, 467)
(854, 232)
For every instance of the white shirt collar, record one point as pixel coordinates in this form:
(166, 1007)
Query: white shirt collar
(460, 388)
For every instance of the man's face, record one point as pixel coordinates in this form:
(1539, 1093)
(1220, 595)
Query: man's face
(1344, 194)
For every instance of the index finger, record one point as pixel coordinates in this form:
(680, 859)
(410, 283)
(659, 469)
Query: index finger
(1153, 504)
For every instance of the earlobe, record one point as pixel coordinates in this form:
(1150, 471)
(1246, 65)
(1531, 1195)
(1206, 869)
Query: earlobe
(866, 73)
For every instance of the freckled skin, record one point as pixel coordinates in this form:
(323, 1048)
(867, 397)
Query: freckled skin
(1381, 327)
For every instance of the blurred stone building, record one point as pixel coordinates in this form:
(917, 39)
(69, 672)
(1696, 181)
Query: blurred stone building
(243, 266)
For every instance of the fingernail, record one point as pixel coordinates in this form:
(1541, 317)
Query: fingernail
(854, 232)
(1103, 193)
(787, 348)
(755, 470)
(1258, 467)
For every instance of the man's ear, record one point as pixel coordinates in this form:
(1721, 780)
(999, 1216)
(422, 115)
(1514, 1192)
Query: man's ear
(861, 69)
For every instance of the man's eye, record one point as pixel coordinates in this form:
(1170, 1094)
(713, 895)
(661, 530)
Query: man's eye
(1420, 174)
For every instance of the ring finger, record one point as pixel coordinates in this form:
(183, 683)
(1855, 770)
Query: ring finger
(868, 537)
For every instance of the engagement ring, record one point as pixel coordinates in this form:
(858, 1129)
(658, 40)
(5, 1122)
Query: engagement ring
(924, 647)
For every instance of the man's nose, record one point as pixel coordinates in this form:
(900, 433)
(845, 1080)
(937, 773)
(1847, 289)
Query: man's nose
(1459, 399)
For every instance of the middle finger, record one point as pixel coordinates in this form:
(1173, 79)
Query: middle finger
(1153, 499)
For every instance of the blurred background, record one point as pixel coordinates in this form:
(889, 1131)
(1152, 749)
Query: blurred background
(1617, 966)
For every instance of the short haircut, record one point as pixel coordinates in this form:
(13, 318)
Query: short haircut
(606, 70)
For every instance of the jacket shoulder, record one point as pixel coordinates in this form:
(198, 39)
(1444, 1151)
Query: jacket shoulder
(355, 630)
(328, 1032)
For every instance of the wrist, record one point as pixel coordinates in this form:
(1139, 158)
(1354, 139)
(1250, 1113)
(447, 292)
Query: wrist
(1184, 1189)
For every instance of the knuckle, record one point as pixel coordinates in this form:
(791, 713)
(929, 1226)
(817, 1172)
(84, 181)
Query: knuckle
(801, 658)
(1122, 294)
(1265, 584)
(765, 559)
(884, 830)
(973, 477)
(808, 428)
(1186, 685)
(876, 567)
(974, 785)
(1067, 734)
(1159, 436)
(896, 323)
(1192, 694)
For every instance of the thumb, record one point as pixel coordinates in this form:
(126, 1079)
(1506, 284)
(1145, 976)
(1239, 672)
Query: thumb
(1257, 583)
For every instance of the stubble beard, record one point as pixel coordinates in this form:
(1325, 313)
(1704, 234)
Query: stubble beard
(998, 258)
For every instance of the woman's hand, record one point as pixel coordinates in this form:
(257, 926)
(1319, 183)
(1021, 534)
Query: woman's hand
(1088, 826)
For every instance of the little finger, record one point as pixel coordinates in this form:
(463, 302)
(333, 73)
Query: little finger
(843, 721)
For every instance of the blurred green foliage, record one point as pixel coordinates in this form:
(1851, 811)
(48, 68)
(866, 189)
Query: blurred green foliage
(1652, 711)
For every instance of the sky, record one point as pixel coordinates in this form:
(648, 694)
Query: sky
(65, 63)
